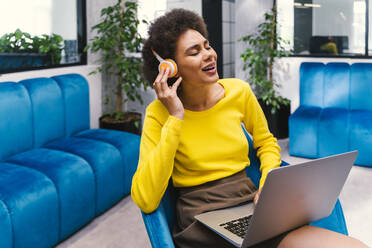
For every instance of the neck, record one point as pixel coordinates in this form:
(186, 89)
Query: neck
(201, 97)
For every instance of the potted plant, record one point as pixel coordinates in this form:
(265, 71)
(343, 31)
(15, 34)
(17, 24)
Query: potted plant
(21, 50)
(119, 42)
(264, 46)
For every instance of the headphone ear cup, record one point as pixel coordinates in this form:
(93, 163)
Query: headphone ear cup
(172, 66)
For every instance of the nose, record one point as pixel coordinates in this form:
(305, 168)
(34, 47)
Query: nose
(208, 54)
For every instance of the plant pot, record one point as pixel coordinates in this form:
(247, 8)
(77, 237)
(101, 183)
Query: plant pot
(278, 122)
(131, 122)
(9, 61)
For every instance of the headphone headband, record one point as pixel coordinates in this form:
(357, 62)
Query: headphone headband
(157, 56)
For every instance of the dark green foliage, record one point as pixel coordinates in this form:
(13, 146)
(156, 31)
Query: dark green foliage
(22, 42)
(264, 47)
(118, 41)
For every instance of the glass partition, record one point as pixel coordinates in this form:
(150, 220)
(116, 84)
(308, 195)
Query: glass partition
(324, 27)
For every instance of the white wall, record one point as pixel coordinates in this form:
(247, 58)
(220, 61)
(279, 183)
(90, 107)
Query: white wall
(149, 10)
(15, 13)
(193, 5)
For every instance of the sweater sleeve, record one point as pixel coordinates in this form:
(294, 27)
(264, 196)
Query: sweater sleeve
(267, 145)
(158, 147)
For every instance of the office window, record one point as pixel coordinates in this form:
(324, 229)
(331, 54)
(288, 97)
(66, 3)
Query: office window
(41, 34)
(325, 27)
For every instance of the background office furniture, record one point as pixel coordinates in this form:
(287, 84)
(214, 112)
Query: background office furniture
(316, 42)
(159, 223)
(335, 112)
(56, 174)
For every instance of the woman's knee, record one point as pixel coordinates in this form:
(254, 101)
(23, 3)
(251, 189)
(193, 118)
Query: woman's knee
(311, 236)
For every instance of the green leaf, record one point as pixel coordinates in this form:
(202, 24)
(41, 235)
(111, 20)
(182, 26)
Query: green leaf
(263, 47)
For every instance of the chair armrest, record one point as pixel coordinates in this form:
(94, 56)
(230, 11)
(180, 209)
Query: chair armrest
(335, 221)
(157, 228)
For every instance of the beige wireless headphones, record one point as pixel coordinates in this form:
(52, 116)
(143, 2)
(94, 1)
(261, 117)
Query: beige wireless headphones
(164, 63)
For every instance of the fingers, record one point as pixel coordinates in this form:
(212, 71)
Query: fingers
(160, 83)
(164, 79)
(156, 83)
(177, 83)
(255, 200)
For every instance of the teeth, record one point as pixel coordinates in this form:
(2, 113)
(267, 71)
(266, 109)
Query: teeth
(208, 68)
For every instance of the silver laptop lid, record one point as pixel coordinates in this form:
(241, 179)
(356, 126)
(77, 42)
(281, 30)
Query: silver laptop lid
(295, 195)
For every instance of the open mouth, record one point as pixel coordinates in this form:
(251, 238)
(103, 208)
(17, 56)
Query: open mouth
(209, 67)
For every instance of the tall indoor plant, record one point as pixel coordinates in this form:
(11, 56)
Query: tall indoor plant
(264, 47)
(118, 41)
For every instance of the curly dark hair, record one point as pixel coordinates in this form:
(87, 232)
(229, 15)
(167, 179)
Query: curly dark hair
(163, 36)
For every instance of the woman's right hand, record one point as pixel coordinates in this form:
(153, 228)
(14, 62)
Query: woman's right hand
(168, 94)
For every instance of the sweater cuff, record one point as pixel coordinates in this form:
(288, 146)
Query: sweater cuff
(263, 177)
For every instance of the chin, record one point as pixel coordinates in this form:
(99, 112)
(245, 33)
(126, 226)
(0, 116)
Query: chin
(214, 78)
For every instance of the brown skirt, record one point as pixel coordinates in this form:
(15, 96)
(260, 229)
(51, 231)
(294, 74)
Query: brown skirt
(222, 193)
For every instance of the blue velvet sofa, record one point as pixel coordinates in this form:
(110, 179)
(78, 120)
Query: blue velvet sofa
(159, 223)
(335, 112)
(56, 174)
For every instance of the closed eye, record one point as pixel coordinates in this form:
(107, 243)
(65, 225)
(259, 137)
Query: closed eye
(195, 49)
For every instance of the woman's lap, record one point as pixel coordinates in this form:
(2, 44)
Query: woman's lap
(222, 193)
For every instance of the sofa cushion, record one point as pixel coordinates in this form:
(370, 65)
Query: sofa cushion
(311, 84)
(16, 119)
(32, 200)
(75, 92)
(74, 180)
(361, 86)
(106, 163)
(333, 135)
(128, 145)
(336, 85)
(47, 109)
(303, 131)
(6, 234)
(361, 135)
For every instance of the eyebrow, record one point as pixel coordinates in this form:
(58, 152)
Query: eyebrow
(196, 46)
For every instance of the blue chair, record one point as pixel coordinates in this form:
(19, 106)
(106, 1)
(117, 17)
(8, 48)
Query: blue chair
(159, 223)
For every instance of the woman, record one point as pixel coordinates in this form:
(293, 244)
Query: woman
(193, 134)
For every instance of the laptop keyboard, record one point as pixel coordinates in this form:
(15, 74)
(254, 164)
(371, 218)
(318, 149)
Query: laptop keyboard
(239, 226)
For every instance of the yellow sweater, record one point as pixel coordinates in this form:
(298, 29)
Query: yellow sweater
(205, 146)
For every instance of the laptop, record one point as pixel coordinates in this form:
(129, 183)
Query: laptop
(292, 196)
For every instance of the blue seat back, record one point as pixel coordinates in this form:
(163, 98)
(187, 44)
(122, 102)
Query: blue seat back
(6, 235)
(311, 84)
(15, 119)
(75, 93)
(336, 85)
(361, 86)
(47, 109)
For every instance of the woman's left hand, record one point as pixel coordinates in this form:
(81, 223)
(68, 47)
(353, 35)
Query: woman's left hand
(256, 197)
